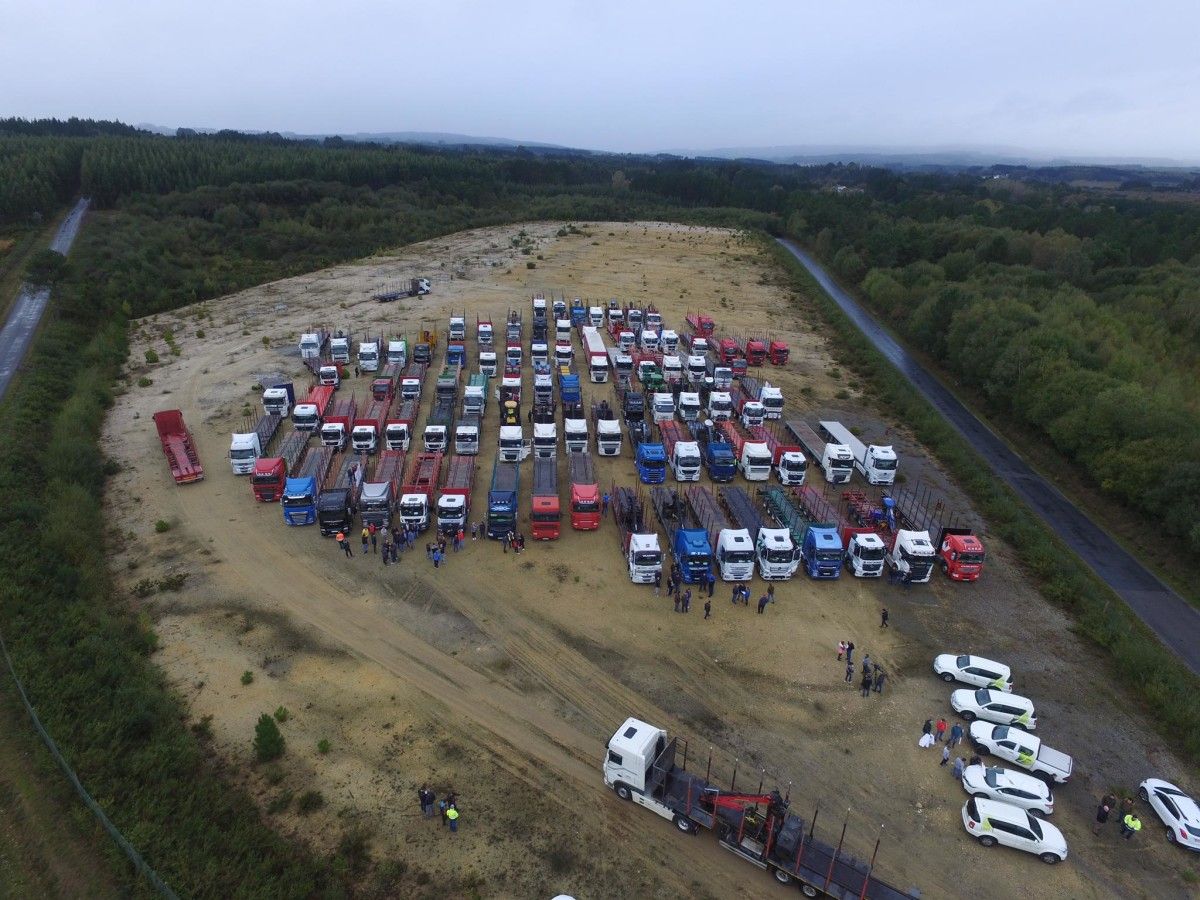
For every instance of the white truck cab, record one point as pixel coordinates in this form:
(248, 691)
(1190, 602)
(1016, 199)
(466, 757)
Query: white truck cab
(414, 511)
(735, 554)
(596, 316)
(662, 407)
(512, 446)
(778, 555)
(575, 435)
(864, 555)
(451, 511)
(689, 406)
(545, 440)
(608, 437)
(368, 356)
(669, 340)
(244, 450)
(753, 413)
(487, 363)
(397, 353)
(644, 558)
(649, 340)
(685, 461)
(329, 376)
(911, 554)
(720, 406)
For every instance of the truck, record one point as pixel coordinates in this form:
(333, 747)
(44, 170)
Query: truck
(959, 552)
(698, 345)
(512, 328)
(720, 405)
(716, 453)
(545, 436)
(820, 542)
(614, 312)
(368, 354)
(639, 544)
(669, 340)
(300, 492)
(487, 363)
(458, 327)
(425, 345)
(338, 501)
(335, 430)
(278, 399)
(727, 351)
(484, 334)
(545, 513)
(765, 393)
(388, 383)
(1019, 746)
(651, 461)
(863, 533)
(270, 471)
(456, 353)
(777, 555)
(820, 546)
(643, 767)
(777, 352)
(682, 451)
(585, 492)
(662, 407)
(749, 412)
(502, 499)
(689, 406)
(719, 374)
(672, 370)
(397, 353)
(701, 325)
(246, 446)
(687, 539)
(466, 435)
(910, 555)
(313, 344)
(608, 430)
(788, 459)
(416, 287)
(413, 380)
(416, 494)
(381, 490)
(695, 369)
(575, 433)
(753, 457)
(578, 313)
(339, 347)
(309, 414)
(367, 433)
(733, 547)
(328, 372)
(178, 446)
(511, 446)
(836, 460)
(622, 365)
(597, 355)
(475, 395)
(875, 462)
(437, 427)
(595, 316)
(454, 499)
(753, 349)
(569, 391)
(398, 429)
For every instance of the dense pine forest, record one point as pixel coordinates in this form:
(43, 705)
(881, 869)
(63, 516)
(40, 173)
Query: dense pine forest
(1073, 312)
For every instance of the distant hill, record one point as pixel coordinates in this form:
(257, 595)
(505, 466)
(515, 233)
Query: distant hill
(430, 138)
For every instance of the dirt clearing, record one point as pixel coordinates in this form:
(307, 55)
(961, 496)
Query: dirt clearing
(500, 676)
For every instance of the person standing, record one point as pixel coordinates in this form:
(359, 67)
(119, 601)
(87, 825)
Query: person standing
(1102, 813)
(687, 600)
(762, 603)
(387, 546)
(712, 581)
(1130, 825)
(676, 601)
(880, 675)
(928, 727)
(374, 537)
(452, 818)
(849, 651)
(883, 618)
(1126, 807)
(604, 501)
(657, 581)
(849, 673)
(708, 609)
(866, 684)
(959, 765)
(737, 595)
(945, 755)
(437, 557)
(866, 663)
(841, 648)
(956, 735)
(425, 796)
(941, 729)
(344, 544)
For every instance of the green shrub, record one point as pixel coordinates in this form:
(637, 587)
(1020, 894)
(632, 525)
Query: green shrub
(247, 677)
(162, 525)
(531, 265)
(310, 801)
(151, 357)
(323, 746)
(268, 741)
(144, 382)
(281, 714)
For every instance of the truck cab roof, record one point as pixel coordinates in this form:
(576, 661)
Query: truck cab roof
(775, 538)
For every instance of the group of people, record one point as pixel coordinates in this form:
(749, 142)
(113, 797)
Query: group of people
(1130, 823)
(515, 541)
(873, 675)
(394, 540)
(447, 807)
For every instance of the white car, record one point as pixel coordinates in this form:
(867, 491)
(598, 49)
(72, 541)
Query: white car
(993, 823)
(994, 706)
(1007, 786)
(974, 670)
(1177, 810)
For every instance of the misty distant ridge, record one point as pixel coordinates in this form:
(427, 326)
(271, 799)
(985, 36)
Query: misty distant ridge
(953, 156)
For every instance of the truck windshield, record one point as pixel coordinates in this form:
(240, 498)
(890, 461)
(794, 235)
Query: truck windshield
(264, 479)
(544, 517)
(779, 556)
(739, 556)
(368, 355)
(790, 465)
(653, 464)
(510, 443)
(647, 558)
(698, 560)
(872, 554)
(292, 501)
(247, 453)
(758, 461)
(689, 462)
(412, 509)
(720, 405)
(840, 465)
(374, 505)
(915, 559)
(585, 506)
(772, 403)
(299, 419)
(829, 556)
(885, 465)
(971, 559)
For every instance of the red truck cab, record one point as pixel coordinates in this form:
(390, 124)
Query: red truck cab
(756, 351)
(961, 554)
(267, 479)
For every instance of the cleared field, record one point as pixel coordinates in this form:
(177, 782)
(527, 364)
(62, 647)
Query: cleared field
(500, 675)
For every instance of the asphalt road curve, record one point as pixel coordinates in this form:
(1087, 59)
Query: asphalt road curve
(27, 311)
(1171, 617)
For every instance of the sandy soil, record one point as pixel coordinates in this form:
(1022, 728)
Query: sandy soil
(501, 676)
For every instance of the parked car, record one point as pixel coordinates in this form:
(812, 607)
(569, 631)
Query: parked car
(1177, 810)
(1020, 747)
(991, 823)
(974, 670)
(994, 706)
(1007, 786)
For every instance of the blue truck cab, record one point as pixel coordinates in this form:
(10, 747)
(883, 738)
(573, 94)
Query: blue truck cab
(821, 551)
(691, 550)
(456, 354)
(651, 461)
(299, 501)
(569, 390)
(717, 454)
(502, 499)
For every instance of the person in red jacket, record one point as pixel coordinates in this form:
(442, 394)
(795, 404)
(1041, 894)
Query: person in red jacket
(941, 728)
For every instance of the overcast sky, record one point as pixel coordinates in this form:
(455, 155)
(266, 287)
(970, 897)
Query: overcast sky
(1104, 77)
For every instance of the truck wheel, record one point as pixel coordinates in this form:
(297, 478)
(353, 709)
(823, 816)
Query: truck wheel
(781, 876)
(987, 841)
(809, 891)
(1050, 859)
(622, 791)
(684, 824)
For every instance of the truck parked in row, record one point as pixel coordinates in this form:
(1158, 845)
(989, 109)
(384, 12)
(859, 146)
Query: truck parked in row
(309, 414)
(338, 501)
(270, 471)
(484, 333)
(397, 353)
(701, 325)
(300, 493)
(511, 446)
(416, 494)
(368, 354)
(682, 450)
(733, 547)
(454, 499)
(437, 427)
(248, 446)
(466, 435)
(278, 399)
(608, 430)
(380, 491)
(819, 542)
(416, 287)
(651, 461)
(313, 344)
(597, 355)
(413, 380)
(959, 552)
(502, 499)
(368, 427)
(752, 456)
(335, 430)
(686, 538)
(398, 429)
(178, 446)
(585, 492)
(639, 543)
(765, 393)
(545, 512)
(339, 347)
(777, 555)
(875, 462)
(716, 452)
(575, 430)
(836, 460)
(788, 459)
(387, 384)
(475, 395)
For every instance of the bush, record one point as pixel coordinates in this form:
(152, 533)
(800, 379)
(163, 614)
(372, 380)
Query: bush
(144, 382)
(281, 714)
(531, 265)
(268, 741)
(247, 677)
(200, 333)
(310, 801)
(162, 525)
(151, 357)
(323, 746)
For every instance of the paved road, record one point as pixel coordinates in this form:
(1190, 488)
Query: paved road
(1171, 617)
(31, 302)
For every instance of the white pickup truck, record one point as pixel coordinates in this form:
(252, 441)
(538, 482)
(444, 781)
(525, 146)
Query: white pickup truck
(1023, 749)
